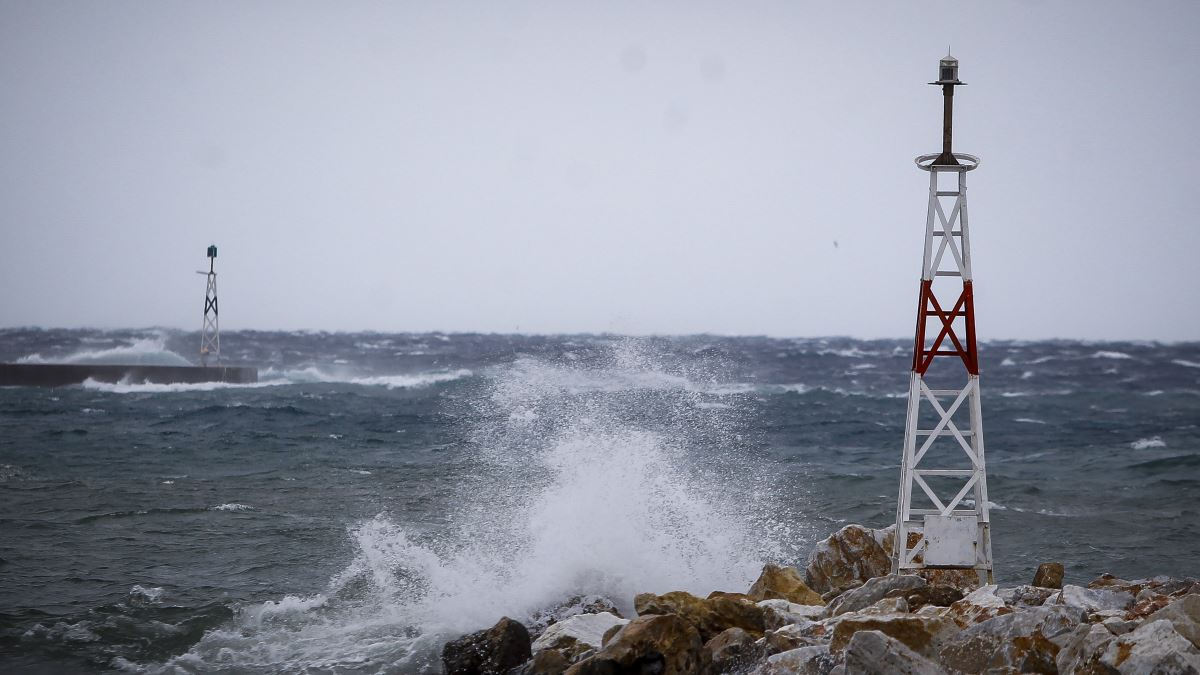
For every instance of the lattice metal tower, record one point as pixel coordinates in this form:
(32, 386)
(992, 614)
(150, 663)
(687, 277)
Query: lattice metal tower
(943, 454)
(210, 332)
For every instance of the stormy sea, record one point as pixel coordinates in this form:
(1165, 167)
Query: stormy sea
(374, 495)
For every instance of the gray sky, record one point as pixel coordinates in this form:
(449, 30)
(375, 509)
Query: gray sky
(562, 167)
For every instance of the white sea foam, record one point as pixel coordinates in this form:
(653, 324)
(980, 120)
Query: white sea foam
(272, 378)
(315, 374)
(851, 353)
(145, 595)
(1145, 443)
(1185, 364)
(1110, 355)
(1008, 361)
(576, 492)
(1028, 420)
(126, 387)
(232, 506)
(991, 504)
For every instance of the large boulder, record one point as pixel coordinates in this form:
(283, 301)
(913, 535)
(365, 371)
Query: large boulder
(1153, 649)
(663, 644)
(928, 596)
(783, 583)
(872, 651)
(577, 635)
(873, 591)
(847, 558)
(494, 651)
(1081, 652)
(1049, 575)
(545, 662)
(732, 650)
(976, 607)
(572, 606)
(808, 660)
(710, 616)
(1184, 615)
(1162, 585)
(1093, 599)
(1025, 596)
(777, 613)
(1147, 603)
(1020, 642)
(794, 636)
(922, 634)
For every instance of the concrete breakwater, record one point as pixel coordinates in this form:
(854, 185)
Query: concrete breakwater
(65, 374)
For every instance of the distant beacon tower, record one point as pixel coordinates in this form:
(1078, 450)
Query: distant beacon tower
(948, 527)
(210, 333)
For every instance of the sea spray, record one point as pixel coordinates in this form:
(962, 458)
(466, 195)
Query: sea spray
(582, 478)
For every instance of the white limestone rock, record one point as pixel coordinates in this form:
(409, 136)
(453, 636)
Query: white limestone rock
(1024, 641)
(978, 606)
(1184, 615)
(577, 634)
(1153, 649)
(1083, 649)
(1026, 596)
(811, 660)
(779, 612)
(1092, 599)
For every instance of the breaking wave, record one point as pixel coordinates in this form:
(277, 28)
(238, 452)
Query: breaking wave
(150, 351)
(584, 484)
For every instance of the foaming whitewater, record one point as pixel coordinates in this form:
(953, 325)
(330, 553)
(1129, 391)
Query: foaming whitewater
(272, 378)
(148, 351)
(584, 482)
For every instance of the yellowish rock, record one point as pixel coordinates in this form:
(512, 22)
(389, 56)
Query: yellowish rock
(783, 583)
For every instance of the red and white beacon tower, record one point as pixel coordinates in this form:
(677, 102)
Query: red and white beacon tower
(946, 524)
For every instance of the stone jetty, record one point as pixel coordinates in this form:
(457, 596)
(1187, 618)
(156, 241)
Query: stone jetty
(845, 615)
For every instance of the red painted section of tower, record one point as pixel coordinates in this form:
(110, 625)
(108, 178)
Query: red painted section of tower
(963, 307)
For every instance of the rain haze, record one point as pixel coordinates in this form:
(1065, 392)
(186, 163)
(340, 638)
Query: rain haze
(612, 167)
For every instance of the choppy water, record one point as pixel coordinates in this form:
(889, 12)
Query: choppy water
(374, 493)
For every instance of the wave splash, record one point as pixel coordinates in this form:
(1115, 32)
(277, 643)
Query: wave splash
(576, 491)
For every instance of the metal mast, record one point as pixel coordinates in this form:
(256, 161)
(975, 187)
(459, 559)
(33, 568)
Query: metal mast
(210, 332)
(943, 437)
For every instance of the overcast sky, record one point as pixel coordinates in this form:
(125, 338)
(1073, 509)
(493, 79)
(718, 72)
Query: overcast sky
(584, 167)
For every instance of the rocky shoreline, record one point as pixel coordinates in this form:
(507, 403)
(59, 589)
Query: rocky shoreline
(845, 615)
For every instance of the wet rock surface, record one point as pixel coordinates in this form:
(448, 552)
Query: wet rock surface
(576, 635)
(494, 651)
(783, 583)
(662, 643)
(710, 616)
(732, 650)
